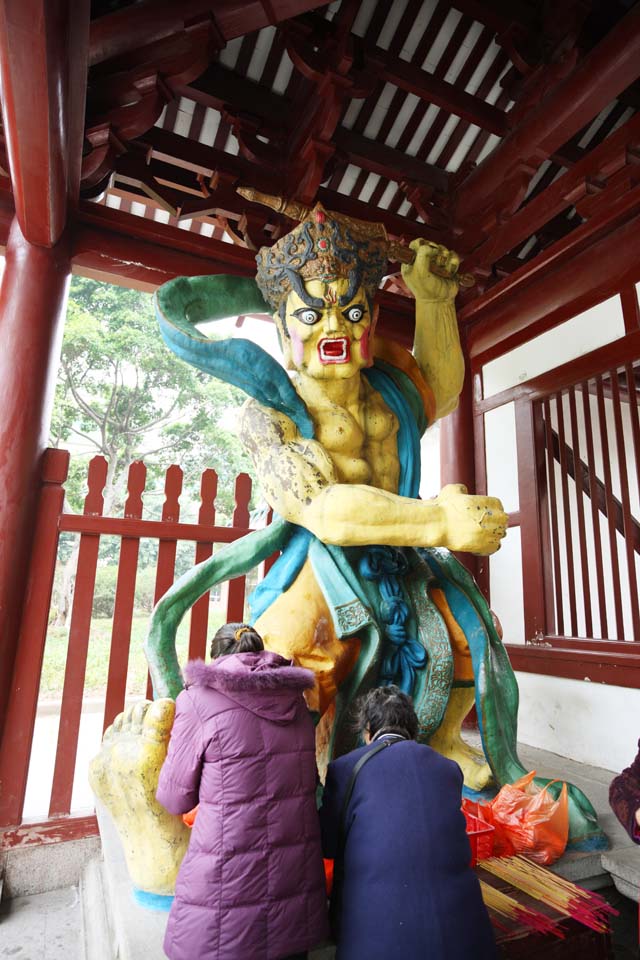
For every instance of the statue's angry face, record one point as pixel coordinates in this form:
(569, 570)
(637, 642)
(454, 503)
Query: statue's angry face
(328, 329)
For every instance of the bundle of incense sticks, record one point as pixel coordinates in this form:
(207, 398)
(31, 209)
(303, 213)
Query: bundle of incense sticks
(566, 898)
(501, 904)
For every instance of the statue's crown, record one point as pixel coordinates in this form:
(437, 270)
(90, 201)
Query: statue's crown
(323, 246)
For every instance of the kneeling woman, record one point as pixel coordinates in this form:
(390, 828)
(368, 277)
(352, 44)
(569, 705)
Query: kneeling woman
(251, 886)
(404, 889)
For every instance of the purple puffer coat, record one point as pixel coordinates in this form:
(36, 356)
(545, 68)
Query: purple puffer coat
(251, 886)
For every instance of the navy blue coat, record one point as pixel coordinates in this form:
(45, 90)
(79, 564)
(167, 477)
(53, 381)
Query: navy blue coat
(409, 892)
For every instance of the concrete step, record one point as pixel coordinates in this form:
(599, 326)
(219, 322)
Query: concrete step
(97, 937)
(624, 867)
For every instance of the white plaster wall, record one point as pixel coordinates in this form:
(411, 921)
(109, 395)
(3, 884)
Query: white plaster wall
(589, 722)
(602, 324)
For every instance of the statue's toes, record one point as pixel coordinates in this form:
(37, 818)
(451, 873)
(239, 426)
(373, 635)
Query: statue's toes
(138, 713)
(158, 719)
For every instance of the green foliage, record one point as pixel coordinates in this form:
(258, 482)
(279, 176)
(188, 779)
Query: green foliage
(98, 656)
(126, 396)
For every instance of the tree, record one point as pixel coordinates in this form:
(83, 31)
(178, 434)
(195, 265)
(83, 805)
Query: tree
(123, 394)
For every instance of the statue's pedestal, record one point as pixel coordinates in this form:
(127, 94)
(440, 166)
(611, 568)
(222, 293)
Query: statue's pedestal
(114, 924)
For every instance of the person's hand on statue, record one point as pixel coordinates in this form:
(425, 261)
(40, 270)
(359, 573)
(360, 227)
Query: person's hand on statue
(473, 524)
(432, 275)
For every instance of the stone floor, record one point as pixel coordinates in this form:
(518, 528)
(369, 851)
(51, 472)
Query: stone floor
(45, 926)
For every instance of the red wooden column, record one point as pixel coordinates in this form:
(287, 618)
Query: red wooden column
(44, 47)
(457, 461)
(33, 296)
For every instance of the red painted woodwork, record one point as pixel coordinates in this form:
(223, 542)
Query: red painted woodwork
(566, 514)
(531, 481)
(456, 451)
(412, 79)
(167, 548)
(603, 665)
(15, 748)
(387, 161)
(31, 318)
(577, 476)
(595, 522)
(595, 362)
(555, 624)
(43, 110)
(598, 165)
(235, 600)
(126, 29)
(628, 519)
(124, 600)
(79, 629)
(456, 441)
(91, 525)
(615, 61)
(54, 831)
(200, 610)
(480, 473)
(589, 265)
(630, 308)
(128, 527)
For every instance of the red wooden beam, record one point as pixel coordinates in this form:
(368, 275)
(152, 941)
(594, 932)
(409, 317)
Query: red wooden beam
(499, 14)
(572, 275)
(604, 73)
(586, 367)
(603, 162)
(53, 831)
(603, 665)
(141, 253)
(43, 69)
(249, 174)
(413, 79)
(143, 23)
(386, 161)
(221, 88)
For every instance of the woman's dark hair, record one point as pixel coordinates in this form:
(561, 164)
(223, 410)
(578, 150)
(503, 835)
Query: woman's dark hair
(388, 709)
(235, 638)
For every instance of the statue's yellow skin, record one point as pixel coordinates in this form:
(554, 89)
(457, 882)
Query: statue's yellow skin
(124, 777)
(342, 486)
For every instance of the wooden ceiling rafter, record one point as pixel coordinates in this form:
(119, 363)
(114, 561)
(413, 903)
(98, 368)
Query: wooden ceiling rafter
(573, 102)
(440, 121)
(619, 152)
(368, 106)
(294, 139)
(116, 34)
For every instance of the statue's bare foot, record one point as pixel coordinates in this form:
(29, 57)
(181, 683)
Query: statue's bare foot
(124, 776)
(448, 741)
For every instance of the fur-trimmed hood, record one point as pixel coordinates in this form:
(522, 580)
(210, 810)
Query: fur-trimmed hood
(264, 683)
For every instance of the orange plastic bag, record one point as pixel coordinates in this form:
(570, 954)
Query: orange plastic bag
(529, 821)
(190, 817)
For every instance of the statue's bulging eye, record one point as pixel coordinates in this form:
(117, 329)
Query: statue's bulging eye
(307, 315)
(354, 314)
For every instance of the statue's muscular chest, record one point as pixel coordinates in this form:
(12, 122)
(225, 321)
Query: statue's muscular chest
(360, 438)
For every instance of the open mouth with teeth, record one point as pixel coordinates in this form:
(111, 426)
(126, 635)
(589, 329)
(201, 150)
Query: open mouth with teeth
(334, 350)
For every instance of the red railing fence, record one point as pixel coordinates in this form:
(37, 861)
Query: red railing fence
(89, 527)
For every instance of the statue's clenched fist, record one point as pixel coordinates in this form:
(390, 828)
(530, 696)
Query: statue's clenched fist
(433, 274)
(471, 523)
